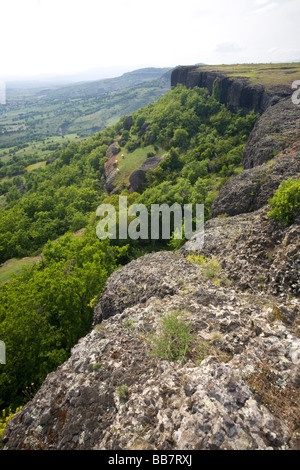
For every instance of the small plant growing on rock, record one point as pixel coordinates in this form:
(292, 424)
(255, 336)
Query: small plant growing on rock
(210, 267)
(173, 339)
(29, 391)
(122, 392)
(128, 324)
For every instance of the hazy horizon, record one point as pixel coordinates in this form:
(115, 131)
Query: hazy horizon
(93, 75)
(75, 40)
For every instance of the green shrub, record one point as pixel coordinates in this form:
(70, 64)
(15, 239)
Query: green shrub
(173, 339)
(286, 202)
(128, 324)
(122, 392)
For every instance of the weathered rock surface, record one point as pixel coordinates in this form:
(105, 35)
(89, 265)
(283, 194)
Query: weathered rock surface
(239, 392)
(237, 93)
(110, 167)
(252, 188)
(138, 177)
(257, 253)
(113, 150)
(272, 155)
(277, 129)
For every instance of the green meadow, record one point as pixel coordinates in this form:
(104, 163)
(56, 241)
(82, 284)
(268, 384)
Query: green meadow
(267, 75)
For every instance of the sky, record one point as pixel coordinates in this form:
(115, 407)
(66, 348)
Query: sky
(63, 37)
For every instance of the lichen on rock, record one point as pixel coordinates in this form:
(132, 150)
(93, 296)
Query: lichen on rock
(207, 402)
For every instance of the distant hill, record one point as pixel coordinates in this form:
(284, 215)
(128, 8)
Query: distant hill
(85, 108)
(126, 80)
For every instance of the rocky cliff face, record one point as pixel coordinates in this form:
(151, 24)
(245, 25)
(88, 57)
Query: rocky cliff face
(272, 155)
(111, 170)
(239, 385)
(277, 130)
(138, 177)
(237, 93)
(252, 188)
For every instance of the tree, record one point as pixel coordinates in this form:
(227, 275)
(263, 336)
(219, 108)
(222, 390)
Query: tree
(181, 138)
(46, 309)
(195, 170)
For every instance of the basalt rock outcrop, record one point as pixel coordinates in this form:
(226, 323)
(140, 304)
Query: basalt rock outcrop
(252, 188)
(237, 93)
(256, 253)
(238, 389)
(138, 177)
(272, 155)
(277, 129)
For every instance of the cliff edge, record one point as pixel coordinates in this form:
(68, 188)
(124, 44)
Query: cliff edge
(236, 92)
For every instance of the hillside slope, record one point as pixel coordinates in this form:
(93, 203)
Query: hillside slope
(84, 108)
(233, 380)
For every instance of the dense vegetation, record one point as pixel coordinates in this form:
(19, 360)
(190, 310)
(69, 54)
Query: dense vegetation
(285, 204)
(47, 308)
(204, 143)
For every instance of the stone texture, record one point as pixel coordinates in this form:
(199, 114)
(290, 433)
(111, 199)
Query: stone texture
(237, 93)
(213, 402)
(256, 252)
(252, 188)
(110, 167)
(138, 177)
(277, 129)
(239, 386)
